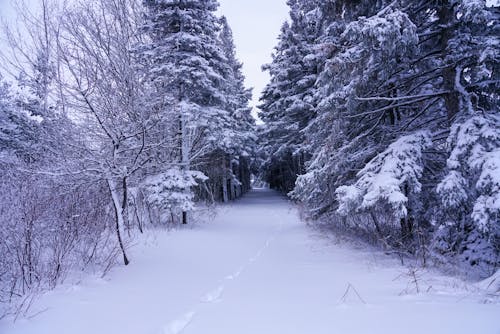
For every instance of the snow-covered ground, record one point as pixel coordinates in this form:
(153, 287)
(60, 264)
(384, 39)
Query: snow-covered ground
(257, 269)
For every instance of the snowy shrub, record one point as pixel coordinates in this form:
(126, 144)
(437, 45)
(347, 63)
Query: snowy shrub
(172, 190)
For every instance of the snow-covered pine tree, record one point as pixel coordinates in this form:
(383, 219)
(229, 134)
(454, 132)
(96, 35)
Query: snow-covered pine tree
(391, 182)
(188, 69)
(17, 129)
(470, 189)
(287, 102)
(30, 58)
(171, 191)
(362, 52)
(239, 132)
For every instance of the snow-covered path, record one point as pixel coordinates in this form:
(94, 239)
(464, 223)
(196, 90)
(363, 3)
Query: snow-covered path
(257, 269)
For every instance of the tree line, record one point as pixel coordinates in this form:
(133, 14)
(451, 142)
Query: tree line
(117, 115)
(382, 119)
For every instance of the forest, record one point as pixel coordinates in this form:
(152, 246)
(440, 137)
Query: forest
(382, 119)
(380, 122)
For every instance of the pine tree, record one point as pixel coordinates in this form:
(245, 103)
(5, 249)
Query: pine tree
(287, 102)
(240, 137)
(16, 129)
(361, 56)
(189, 71)
(470, 190)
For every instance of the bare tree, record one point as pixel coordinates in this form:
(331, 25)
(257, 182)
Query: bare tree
(118, 137)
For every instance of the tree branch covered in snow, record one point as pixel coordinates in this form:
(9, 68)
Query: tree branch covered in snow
(390, 177)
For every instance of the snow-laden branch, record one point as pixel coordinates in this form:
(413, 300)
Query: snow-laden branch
(398, 98)
(390, 177)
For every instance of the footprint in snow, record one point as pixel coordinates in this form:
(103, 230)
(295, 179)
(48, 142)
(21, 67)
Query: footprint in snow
(236, 274)
(213, 296)
(178, 325)
(259, 254)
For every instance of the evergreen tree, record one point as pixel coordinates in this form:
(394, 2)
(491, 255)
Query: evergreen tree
(16, 128)
(287, 102)
(470, 189)
(240, 130)
(361, 56)
(188, 70)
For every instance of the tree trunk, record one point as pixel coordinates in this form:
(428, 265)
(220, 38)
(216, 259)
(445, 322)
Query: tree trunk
(407, 223)
(242, 178)
(377, 227)
(232, 187)
(136, 212)
(452, 98)
(225, 198)
(184, 153)
(118, 218)
(126, 221)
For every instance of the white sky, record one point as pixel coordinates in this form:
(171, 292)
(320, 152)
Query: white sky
(256, 25)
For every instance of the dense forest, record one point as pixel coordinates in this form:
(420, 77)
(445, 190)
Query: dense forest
(382, 119)
(122, 115)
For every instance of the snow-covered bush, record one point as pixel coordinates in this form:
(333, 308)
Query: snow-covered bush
(171, 191)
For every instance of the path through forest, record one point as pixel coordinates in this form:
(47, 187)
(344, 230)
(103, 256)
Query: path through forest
(258, 269)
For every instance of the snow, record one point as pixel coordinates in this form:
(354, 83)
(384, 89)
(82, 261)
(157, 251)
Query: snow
(256, 268)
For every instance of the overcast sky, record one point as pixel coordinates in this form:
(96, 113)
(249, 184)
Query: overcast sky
(256, 25)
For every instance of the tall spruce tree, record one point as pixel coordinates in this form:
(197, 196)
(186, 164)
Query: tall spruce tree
(287, 101)
(188, 70)
(470, 190)
(240, 131)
